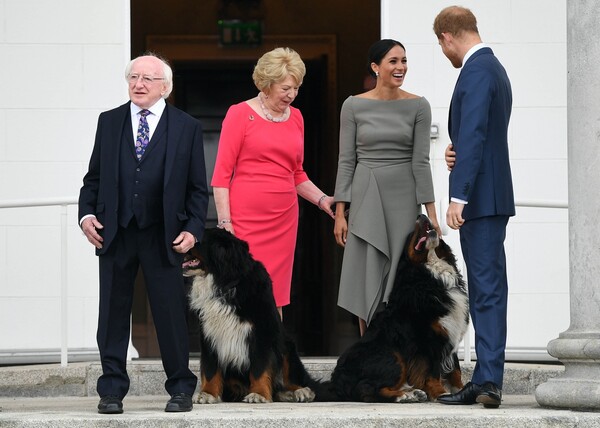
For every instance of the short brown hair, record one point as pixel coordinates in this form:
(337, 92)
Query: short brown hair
(455, 20)
(274, 66)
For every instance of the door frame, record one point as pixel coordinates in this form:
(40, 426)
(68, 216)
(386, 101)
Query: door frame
(206, 48)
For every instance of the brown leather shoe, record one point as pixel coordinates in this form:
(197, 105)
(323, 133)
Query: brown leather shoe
(467, 395)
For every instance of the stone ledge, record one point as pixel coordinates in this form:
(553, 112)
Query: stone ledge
(147, 377)
(148, 412)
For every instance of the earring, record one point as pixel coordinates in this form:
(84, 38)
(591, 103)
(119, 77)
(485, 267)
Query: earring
(377, 74)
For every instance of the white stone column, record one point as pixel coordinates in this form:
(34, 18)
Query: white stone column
(578, 348)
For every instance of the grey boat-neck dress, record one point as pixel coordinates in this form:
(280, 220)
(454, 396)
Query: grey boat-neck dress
(385, 175)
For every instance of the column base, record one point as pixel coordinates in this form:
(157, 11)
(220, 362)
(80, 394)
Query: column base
(579, 387)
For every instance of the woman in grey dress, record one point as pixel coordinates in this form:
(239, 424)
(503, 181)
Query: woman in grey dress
(384, 176)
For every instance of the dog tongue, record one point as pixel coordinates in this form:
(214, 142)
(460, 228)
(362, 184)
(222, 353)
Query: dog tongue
(420, 243)
(190, 263)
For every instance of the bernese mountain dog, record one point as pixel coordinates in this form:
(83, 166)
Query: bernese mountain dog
(245, 354)
(408, 353)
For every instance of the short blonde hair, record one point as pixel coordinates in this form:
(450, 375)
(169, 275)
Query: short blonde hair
(274, 66)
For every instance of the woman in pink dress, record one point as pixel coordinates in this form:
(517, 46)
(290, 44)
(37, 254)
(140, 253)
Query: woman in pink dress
(258, 172)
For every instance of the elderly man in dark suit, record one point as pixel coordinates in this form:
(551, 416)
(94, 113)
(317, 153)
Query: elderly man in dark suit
(481, 193)
(143, 203)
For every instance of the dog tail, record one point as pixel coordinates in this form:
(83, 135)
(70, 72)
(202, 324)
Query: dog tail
(297, 373)
(325, 392)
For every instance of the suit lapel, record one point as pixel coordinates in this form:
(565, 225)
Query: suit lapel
(482, 51)
(174, 130)
(123, 125)
(128, 133)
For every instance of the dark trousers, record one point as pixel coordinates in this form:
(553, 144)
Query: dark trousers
(482, 242)
(132, 248)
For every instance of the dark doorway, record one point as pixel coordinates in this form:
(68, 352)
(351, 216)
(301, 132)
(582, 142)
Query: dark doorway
(187, 34)
(208, 79)
(206, 90)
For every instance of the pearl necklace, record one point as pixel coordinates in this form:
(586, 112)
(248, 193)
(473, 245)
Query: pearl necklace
(268, 115)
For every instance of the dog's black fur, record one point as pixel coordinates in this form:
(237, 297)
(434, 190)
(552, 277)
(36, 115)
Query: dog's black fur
(245, 354)
(408, 352)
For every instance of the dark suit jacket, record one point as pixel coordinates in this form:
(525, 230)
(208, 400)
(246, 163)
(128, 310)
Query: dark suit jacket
(185, 195)
(478, 126)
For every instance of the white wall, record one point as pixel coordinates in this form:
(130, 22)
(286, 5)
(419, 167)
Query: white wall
(62, 64)
(529, 37)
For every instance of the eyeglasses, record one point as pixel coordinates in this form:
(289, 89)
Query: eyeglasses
(147, 80)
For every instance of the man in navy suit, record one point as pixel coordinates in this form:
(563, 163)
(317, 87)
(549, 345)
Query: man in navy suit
(143, 203)
(481, 193)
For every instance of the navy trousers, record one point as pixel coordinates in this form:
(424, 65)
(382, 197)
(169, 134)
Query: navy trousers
(132, 248)
(482, 242)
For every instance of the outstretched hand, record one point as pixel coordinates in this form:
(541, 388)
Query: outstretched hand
(325, 205)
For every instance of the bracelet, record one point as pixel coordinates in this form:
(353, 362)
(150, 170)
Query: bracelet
(221, 223)
(321, 200)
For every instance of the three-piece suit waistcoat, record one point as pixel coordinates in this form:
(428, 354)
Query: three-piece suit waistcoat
(141, 182)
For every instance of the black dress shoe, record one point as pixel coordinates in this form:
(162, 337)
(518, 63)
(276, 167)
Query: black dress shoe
(490, 395)
(180, 402)
(467, 395)
(110, 405)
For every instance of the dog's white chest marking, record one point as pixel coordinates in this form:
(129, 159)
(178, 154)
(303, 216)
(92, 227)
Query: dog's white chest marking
(455, 322)
(226, 332)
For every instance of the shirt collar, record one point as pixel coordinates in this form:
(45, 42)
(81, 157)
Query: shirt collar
(157, 109)
(471, 51)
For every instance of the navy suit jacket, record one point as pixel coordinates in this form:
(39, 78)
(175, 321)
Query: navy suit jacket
(478, 127)
(185, 192)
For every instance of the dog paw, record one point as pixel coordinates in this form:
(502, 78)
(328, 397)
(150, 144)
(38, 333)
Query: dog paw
(304, 395)
(253, 397)
(413, 396)
(301, 395)
(421, 395)
(206, 398)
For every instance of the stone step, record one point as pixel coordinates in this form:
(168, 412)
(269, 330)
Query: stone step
(148, 412)
(50, 396)
(147, 377)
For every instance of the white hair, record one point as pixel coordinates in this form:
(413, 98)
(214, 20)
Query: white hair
(167, 72)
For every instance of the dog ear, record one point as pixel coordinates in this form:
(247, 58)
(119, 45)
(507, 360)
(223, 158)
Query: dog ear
(239, 257)
(229, 256)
